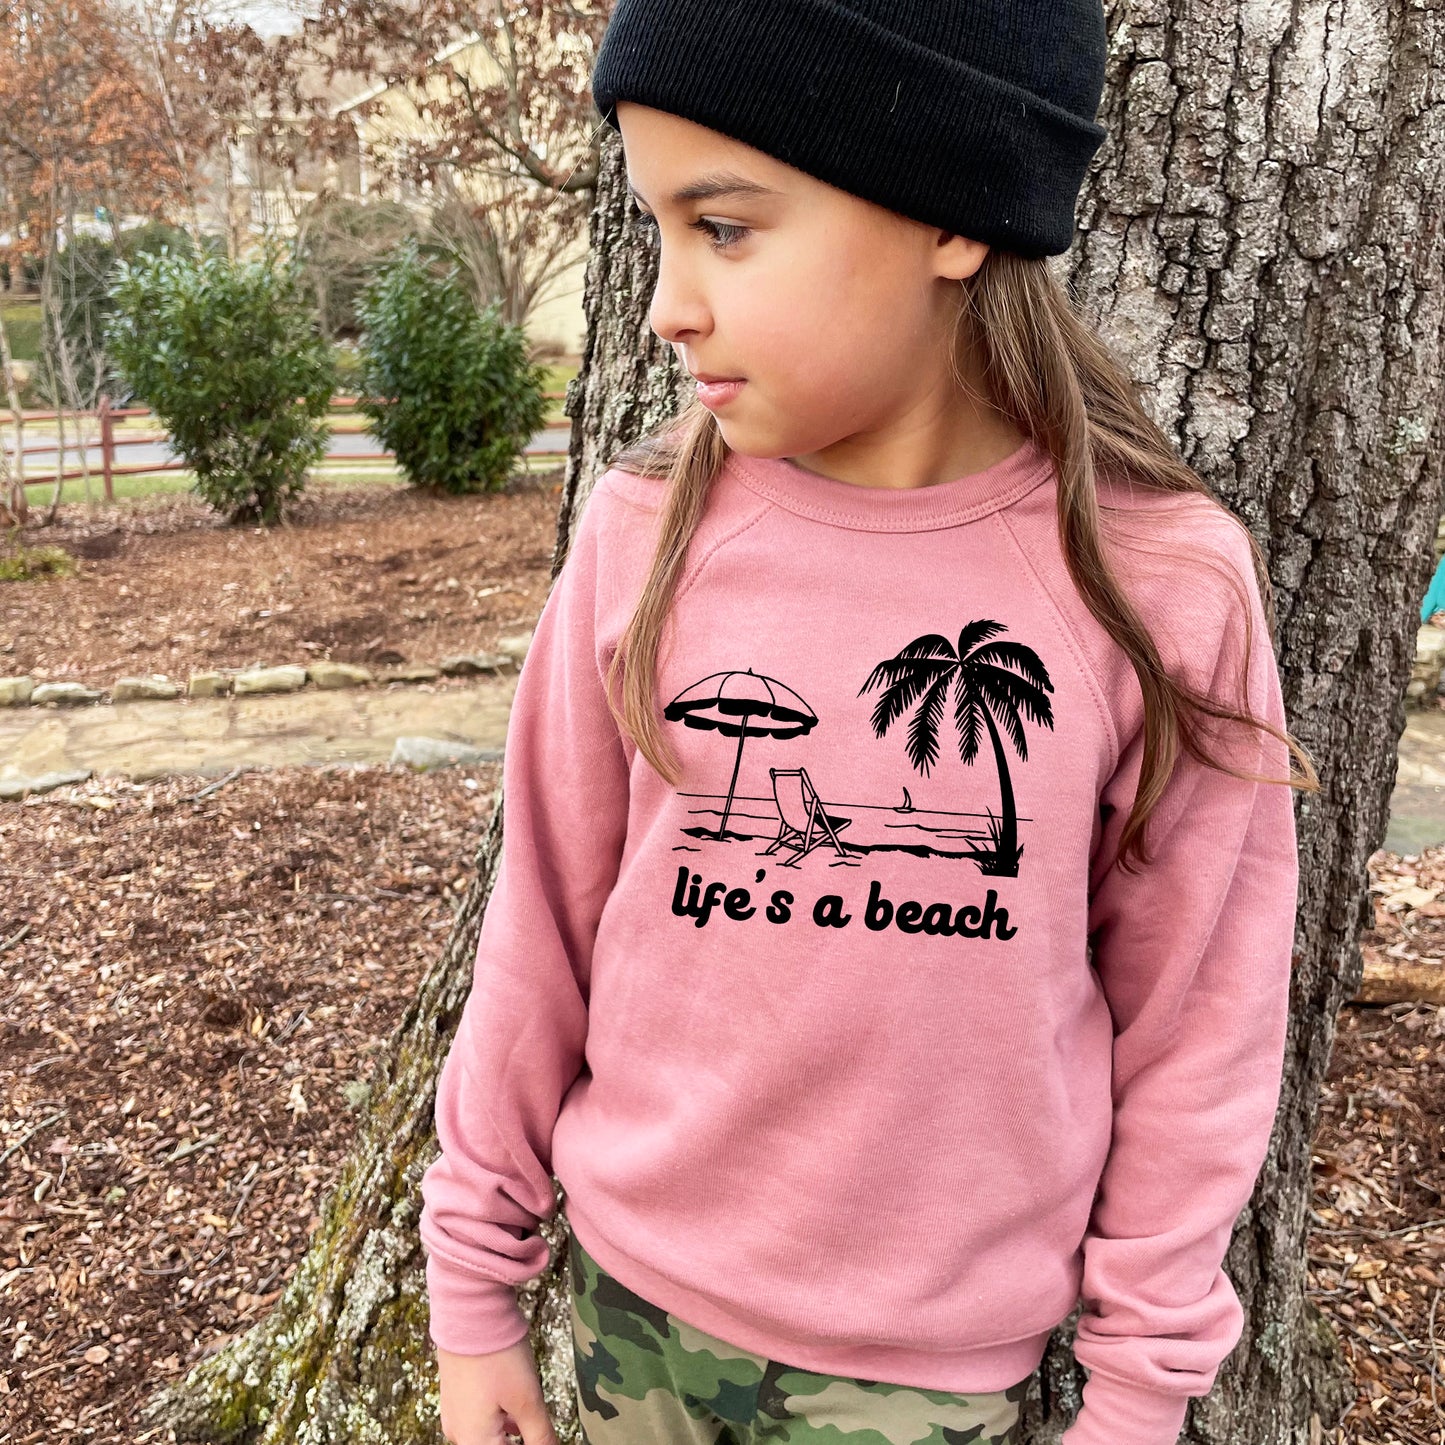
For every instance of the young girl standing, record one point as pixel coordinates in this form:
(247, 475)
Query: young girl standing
(891, 942)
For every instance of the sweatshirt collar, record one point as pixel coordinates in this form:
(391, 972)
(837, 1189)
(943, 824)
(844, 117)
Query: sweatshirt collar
(895, 509)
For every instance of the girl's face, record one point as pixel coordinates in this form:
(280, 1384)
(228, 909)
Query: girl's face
(837, 313)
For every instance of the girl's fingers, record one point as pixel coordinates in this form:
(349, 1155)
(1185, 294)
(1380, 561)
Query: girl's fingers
(536, 1425)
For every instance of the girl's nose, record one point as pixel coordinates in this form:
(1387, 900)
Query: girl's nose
(678, 310)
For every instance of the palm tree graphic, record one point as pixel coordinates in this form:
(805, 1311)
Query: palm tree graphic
(996, 685)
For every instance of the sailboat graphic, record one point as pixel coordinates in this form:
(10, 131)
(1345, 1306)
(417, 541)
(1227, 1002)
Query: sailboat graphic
(906, 806)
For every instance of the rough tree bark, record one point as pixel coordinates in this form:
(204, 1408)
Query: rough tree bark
(1263, 244)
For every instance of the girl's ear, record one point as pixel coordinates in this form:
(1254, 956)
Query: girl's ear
(958, 257)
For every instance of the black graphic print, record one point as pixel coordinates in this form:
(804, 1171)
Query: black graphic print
(996, 685)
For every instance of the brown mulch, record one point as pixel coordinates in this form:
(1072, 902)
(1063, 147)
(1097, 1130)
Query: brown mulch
(194, 991)
(379, 574)
(1377, 1245)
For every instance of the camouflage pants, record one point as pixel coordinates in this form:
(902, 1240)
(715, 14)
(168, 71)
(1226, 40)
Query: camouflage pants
(646, 1378)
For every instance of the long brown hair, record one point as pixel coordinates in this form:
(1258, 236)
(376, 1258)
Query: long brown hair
(1058, 382)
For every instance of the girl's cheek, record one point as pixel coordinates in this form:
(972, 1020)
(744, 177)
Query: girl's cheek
(772, 326)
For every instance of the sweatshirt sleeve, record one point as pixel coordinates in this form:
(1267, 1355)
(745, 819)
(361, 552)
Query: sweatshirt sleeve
(520, 1040)
(1194, 954)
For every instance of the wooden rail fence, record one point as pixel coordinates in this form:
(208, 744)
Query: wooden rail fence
(110, 443)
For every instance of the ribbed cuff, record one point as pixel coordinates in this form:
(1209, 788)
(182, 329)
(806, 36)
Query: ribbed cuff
(471, 1315)
(1116, 1413)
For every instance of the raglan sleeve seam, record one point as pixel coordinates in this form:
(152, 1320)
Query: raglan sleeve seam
(1067, 627)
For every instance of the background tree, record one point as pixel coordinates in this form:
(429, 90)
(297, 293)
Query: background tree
(105, 110)
(104, 116)
(492, 97)
(1256, 240)
(340, 245)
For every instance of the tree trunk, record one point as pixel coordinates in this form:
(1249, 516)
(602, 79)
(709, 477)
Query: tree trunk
(1265, 248)
(1262, 243)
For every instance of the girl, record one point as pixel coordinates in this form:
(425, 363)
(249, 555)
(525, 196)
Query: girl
(830, 963)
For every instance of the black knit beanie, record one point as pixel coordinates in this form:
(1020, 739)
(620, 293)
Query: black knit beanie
(976, 116)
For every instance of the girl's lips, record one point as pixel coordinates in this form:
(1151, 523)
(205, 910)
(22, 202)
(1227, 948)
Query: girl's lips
(718, 393)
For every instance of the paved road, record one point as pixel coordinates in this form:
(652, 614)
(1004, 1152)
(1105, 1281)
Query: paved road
(343, 444)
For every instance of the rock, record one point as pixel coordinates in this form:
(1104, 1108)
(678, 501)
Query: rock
(208, 684)
(67, 694)
(15, 691)
(12, 788)
(1429, 665)
(425, 754)
(132, 689)
(270, 679)
(468, 664)
(515, 645)
(339, 674)
(420, 673)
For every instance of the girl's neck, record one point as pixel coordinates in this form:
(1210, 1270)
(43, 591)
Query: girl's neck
(903, 468)
(942, 441)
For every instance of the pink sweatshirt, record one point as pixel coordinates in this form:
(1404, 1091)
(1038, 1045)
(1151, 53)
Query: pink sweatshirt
(851, 1048)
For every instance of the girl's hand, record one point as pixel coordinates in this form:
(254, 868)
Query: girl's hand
(486, 1398)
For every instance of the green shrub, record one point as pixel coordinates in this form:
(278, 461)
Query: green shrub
(448, 388)
(228, 357)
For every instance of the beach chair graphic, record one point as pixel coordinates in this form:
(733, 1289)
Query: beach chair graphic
(803, 821)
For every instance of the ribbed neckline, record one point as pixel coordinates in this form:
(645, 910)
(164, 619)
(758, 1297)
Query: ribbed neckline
(895, 509)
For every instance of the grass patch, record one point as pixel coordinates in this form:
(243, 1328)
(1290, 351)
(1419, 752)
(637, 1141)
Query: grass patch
(127, 488)
(22, 321)
(24, 563)
(340, 477)
(136, 486)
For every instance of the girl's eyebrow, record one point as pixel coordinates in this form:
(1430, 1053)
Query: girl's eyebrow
(715, 183)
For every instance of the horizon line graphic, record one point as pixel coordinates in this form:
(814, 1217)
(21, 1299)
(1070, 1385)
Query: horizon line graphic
(910, 811)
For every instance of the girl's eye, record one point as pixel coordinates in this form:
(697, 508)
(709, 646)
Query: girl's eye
(720, 233)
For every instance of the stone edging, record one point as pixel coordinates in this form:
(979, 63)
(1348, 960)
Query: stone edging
(291, 677)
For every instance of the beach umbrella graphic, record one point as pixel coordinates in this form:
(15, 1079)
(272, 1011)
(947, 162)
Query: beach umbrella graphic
(741, 705)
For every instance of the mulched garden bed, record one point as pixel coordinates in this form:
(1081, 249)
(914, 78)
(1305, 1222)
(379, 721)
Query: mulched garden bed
(194, 991)
(1377, 1246)
(380, 574)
